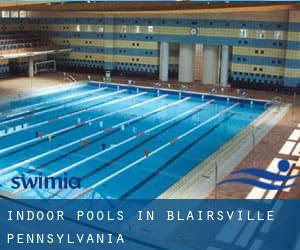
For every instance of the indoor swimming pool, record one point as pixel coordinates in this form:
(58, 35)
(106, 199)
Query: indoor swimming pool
(121, 141)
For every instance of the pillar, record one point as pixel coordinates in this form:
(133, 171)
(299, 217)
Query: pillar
(164, 62)
(224, 66)
(210, 67)
(186, 63)
(31, 67)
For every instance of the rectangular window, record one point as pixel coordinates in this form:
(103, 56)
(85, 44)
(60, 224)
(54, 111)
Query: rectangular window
(89, 28)
(278, 35)
(78, 27)
(100, 29)
(123, 29)
(243, 33)
(261, 34)
(5, 14)
(137, 29)
(22, 14)
(150, 29)
(14, 14)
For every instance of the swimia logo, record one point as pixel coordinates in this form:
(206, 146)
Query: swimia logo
(267, 180)
(44, 182)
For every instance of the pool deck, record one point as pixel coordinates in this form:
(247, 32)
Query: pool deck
(282, 141)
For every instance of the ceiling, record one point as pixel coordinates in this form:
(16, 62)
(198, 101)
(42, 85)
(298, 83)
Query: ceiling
(140, 7)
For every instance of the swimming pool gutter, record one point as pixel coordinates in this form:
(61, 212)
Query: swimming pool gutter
(174, 91)
(201, 181)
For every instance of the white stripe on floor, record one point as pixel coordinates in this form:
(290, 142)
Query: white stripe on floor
(295, 135)
(296, 151)
(287, 148)
(256, 193)
(272, 193)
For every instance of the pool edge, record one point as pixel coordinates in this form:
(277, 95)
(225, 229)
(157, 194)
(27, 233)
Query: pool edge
(201, 181)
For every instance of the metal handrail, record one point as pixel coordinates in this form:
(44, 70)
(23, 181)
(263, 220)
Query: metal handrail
(70, 77)
(275, 101)
(183, 87)
(156, 85)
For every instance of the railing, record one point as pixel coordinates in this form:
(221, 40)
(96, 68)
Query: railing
(274, 102)
(183, 87)
(156, 85)
(69, 77)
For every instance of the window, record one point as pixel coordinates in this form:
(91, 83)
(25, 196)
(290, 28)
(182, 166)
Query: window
(243, 33)
(14, 14)
(5, 14)
(100, 29)
(22, 14)
(89, 28)
(137, 29)
(261, 34)
(150, 29)
(123, 29)
(78, 27)
(278, 35)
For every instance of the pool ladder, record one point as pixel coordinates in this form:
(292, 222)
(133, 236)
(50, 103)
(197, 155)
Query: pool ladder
(157, 85)
(69, 77)
(274, 102)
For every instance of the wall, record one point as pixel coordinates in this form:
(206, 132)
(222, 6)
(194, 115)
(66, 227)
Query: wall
(265, 46)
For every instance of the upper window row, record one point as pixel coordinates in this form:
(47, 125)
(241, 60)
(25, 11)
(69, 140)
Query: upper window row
(261, 34)
(136, 29)
(13, 14)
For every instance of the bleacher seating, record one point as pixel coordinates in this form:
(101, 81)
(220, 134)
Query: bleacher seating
(23, 42)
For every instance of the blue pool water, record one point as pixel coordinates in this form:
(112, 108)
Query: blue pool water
(123, 142)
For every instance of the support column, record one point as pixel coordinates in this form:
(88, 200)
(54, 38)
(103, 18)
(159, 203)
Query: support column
(164, 62)
(186, 63)
(210, 64)
(31, 67)
(224, 66)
